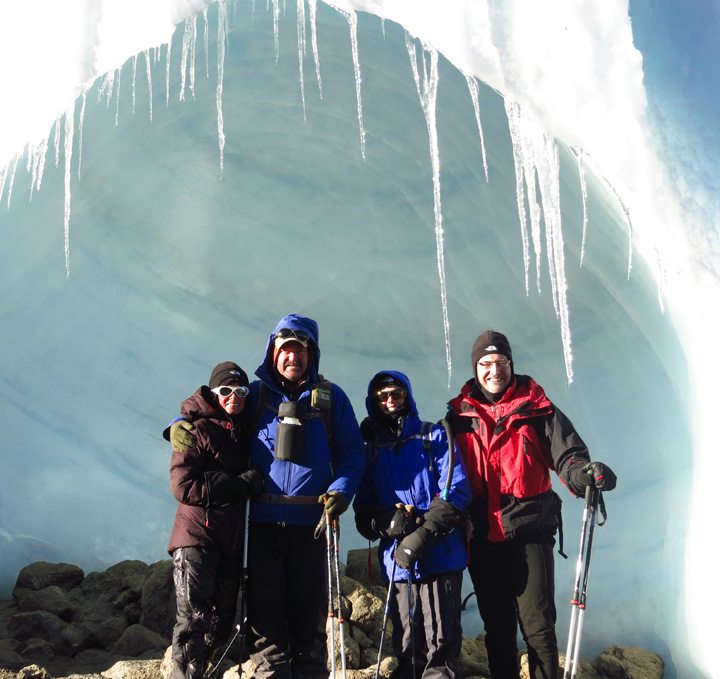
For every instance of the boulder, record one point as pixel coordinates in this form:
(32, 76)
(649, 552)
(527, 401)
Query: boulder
(357, 567)
(9, 656)
(41, 574)
(158, 599)
(629, 662)
(53, 599)
(137, 639)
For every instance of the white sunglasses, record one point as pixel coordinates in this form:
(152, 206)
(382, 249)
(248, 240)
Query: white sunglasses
(242, 392)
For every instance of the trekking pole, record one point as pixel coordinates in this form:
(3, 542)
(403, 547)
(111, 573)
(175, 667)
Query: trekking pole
(387, 610)
(341, 620)
(411, 616)
(331, 613)
(239, 629)
(582, 571)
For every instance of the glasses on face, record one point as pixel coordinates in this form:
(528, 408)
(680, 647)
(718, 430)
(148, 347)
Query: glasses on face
(242, 392)
(287, 333)
(500, 364)
(395, 394)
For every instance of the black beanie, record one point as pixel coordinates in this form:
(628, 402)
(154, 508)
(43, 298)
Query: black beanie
(227, 372)
(490, 342)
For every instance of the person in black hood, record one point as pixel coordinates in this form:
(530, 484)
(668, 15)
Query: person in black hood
(211, 482)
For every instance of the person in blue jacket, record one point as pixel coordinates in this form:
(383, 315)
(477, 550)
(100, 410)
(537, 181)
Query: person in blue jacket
(412, 498)
(307, 444)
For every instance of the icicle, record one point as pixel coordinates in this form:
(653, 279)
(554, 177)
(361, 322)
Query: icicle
(382, 26)
(81, 124)
(134, 80)
(187, 58)
(221, 41)
(105, 89)
(474, 95)
(69, 129)
(583, 191)
(56, 143)
(117, 99)
(352, 24)
(526, 189)
(168, 55)
(537, 164)
(12, 180)
(36, 165)
(301, 51)
(3, 177)
(276, 29)
(148, 73)
(426, 83)
(312, 6)
(206, 42)
(626, 212)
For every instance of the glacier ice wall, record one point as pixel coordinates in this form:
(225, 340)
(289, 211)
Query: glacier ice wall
(175, 266)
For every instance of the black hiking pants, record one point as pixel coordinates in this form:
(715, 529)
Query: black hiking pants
(514, 582)
(287, 602)
(206, 590)
(436, 628)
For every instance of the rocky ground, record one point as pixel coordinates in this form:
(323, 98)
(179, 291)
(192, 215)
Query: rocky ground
(117, 624)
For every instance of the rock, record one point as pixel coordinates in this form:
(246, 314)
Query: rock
(134, 669)
(105, 632)
(9, 656)
(158, 599)
(35, 624)
(33, 672)
(111, 583)
(42, 574)
(629, 662)
(357, 567)
(53, 599)
(137, 639)
(473, 657)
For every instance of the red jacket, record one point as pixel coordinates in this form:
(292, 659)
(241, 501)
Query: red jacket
(509, 448)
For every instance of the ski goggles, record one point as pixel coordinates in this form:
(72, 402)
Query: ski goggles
(397, 395)
(242, 392)
(288, 335)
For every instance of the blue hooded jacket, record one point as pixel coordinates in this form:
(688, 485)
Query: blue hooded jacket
(401, 469)
(320, 468)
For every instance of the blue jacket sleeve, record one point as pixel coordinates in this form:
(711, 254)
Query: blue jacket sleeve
(347, 445)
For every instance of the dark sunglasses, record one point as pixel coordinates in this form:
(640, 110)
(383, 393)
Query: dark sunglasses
(299, 335)
(397, 395)
(242, 392)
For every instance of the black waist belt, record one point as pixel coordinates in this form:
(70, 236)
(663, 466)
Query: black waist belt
(275, 499)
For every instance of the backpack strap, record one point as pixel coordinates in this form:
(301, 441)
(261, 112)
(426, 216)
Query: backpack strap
(321, 398)
(261, 405)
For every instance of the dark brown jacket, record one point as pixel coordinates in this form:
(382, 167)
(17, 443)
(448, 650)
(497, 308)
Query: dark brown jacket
(204, 479)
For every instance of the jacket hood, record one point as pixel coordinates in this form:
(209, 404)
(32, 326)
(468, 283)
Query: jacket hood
(266, 370)
(371, 402)
(203, 404)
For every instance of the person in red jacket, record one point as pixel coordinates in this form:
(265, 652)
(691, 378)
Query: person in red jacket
(511, 437)
(211, 482)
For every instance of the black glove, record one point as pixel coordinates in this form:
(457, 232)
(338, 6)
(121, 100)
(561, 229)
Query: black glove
(594, 474)
(412, 548)
(181, 438)
(251, 483)
(335, 504)
(401, 524)
(603, 478)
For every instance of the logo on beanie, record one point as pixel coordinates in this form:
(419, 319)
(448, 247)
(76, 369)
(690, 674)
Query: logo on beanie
(234, 372)
(491, 347)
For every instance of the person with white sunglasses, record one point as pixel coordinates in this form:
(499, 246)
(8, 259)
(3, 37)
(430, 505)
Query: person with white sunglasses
(212, 482)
